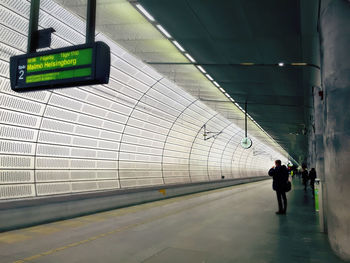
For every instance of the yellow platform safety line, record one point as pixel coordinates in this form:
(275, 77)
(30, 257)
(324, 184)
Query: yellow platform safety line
(72, 223)
(162, 191)
(43, 230)
(13, 238)
(93, 218)
(150, 220)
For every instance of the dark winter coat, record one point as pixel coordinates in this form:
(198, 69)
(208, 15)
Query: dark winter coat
(312, 176)
(305, 176)
(280, 177)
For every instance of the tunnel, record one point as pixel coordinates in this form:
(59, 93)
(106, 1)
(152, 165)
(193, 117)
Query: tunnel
(202, 98)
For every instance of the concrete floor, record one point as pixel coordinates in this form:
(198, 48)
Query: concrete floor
(235, 224)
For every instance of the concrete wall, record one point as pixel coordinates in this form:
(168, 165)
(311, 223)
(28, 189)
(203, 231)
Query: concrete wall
(335, 47)
(318, 103)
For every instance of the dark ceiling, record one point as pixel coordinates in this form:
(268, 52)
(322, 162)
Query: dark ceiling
(222, 34)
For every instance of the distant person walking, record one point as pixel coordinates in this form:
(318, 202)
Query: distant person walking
(279, 175)
(312, 177)
(304, 176)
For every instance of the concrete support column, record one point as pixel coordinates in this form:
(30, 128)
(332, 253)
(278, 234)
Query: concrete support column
(319, 149)
(335, 59)
(319, 130)
(311, 162)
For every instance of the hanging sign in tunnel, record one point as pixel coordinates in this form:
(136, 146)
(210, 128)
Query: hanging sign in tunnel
(79, 65)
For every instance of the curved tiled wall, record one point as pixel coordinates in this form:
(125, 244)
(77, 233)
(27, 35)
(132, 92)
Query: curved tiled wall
(140, 129)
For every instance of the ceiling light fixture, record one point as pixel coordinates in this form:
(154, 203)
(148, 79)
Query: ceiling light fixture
(216, 84)
(144, 11)
(164, 31)
(209, 77)
(281, 64)
(178, 46)
(201, 69)
(189, 57)
(299, 64)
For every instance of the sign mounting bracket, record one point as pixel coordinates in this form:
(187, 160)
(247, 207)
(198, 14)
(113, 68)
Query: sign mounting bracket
(34, 38)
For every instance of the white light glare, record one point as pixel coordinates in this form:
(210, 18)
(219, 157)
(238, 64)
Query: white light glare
(227, 95)
(148, 15)
(232, 100)
(164, 31)
(190, 58)
(222, 90)
(178, 46)
(209, 77)
(216, 84)
(202, 69)
(281, 64)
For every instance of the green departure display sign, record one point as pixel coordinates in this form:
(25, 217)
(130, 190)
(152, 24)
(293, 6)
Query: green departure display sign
(61, 60)
(74, 73)
(67, 67)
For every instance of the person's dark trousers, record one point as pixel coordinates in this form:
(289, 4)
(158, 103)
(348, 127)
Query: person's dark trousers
(282, 207)
(305, 184)
(312, 185)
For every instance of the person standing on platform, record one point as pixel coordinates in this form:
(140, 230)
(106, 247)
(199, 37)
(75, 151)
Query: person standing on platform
(304, 176)
(312, 177)
(280, 176)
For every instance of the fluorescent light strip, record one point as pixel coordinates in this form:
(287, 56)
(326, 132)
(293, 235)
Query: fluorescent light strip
(216, 84)
(232, 100)
(178, 46)
(164, 31)
(148, 15)
(227, 95)
(209, 77)
(298, 64)
(189, 57)
(201, 69)
(222, 90)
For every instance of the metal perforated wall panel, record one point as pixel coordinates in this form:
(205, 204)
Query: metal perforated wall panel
(139, 130)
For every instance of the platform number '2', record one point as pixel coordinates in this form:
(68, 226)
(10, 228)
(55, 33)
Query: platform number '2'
(21, 74)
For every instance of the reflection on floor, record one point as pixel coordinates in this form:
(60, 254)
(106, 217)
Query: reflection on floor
(234, 224)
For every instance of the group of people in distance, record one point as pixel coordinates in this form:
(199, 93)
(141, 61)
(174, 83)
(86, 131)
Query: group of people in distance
(280, 176)
(306, 176)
